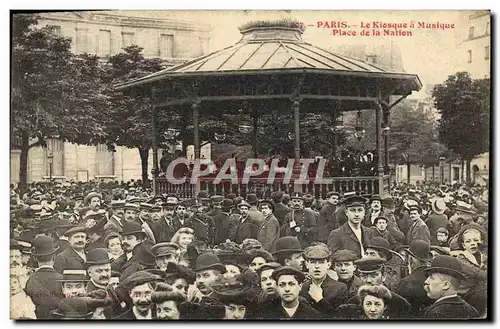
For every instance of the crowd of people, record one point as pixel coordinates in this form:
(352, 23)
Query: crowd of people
(117, 251)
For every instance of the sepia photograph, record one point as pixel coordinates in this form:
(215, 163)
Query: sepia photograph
(250, 165)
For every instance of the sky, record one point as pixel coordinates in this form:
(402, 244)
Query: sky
(433, 54)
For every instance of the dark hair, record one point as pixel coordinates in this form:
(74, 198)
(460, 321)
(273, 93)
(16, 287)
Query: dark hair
(44, 258)
(266, 255)
(164, 292)
(378, 291)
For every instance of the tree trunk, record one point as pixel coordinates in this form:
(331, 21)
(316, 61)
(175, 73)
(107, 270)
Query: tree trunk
(433, 173)
(23, 164)
(408, 167)
(143, 153)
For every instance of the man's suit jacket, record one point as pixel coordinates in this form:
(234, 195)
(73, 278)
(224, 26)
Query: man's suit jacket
(224, 224)
(255, 215)
(176, 222)
(69, 260)
(411, 288)
(326, 221)
(353, 286)
(334, 294)
(246, 230)
(434, 222)
(450, 308)
(280, 211)
(344, 238)
(114, 225)
(367, 221)
(45, 291)
(162, 231)
(303, 312)
(268, 232)
(418, 230)
(125, 267)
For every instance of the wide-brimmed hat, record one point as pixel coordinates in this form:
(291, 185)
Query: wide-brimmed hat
(446, 265)
(420, 249)
(237, 291)
(287, 244)
(438, 206)
(380, 244)
(95, 223)
(91, 195)
(43, 246)
(72, 308)
(464, 207)
(74, 276)
(176, 271)
(209, 261)
(97, 256)
(142, 253)
(410, 203)
(130, 228)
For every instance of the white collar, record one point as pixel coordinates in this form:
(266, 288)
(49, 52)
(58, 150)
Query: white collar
(44, 266)
(138, 316)
(97, 285)
(290, 310)
(445, 297)
(352, 228)
(128, 255)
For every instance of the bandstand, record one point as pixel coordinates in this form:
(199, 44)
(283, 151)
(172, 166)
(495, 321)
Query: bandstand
(272, 69)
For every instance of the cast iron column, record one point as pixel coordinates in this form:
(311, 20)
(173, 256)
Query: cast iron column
(296, 165)
(154, 145)
(196, 125)
(380, 167)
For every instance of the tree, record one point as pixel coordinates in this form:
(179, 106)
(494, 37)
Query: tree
(55, 94)
(129, 118)
(464, 105)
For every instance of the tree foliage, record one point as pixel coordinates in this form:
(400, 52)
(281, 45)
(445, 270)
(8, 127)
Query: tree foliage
(464, 105)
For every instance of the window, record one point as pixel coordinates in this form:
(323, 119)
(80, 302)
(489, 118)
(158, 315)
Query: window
(104, 161)
(57, 30)
(456, 173)
(55, 147)
(127, 39)
(487, 52)
(104, 43)
(469, 52)
(166, 46)
(82, 41)
(471, 32)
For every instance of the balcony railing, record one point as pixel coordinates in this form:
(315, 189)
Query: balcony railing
(363, 185)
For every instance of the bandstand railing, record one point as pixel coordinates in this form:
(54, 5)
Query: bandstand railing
(363, 185)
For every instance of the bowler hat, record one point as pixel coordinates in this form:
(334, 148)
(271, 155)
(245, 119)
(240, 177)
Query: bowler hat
(176, 271)
(227, 204)
(43, 246)
(317, 252)
(97, 256)
(288, 270)
(202, 194)
(130, 228)
(381, 244)
(209, 261)
(277, 196)
(287, 244)
(74, 276)
(376, 197)
(270, 203)
(388, 202)
(216, 198)
(438, 206)
(441, 250)
(369, 264)
(420, 249)
(164, 248)
(252, 198)
(72, 308)
(344, 255)
(446, 265)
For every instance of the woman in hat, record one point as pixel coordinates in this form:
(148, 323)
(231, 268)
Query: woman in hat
(21, 305)
(237, 296)
(183, 237)
(113, 244)
(166, 300)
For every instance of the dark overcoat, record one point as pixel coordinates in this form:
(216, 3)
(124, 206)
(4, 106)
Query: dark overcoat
(334, 294)
(450, 308)
(69, 260)
(45, 291)
(344, 238)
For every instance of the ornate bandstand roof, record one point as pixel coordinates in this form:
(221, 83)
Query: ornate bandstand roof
(276, 49)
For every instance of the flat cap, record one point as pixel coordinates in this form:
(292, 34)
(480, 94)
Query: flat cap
(317, 252)
(344, 255)
(73, 230)
(369, 265)
(139, 278)
(296, 195)
(216, 198)
(164, 248)
(355, 201)
(288, 270)
(269, 266)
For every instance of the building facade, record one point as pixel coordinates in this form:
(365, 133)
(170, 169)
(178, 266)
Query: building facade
(476, 46)
(107, 33)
